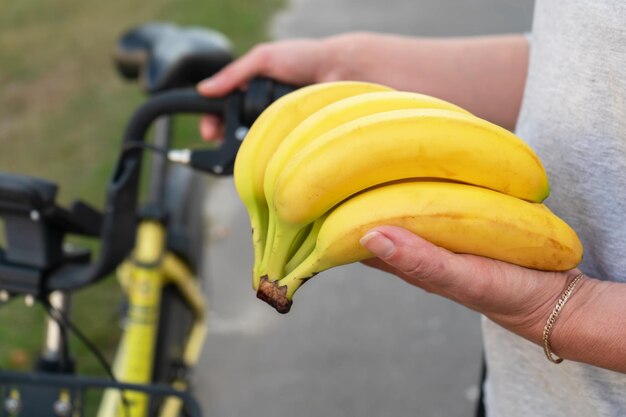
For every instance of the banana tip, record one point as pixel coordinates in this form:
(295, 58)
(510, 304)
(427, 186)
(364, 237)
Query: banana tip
(274, 295)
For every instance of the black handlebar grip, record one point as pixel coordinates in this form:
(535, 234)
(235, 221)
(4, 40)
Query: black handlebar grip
(281, 89)
(186, 100)
(240, 113)
(260, 94)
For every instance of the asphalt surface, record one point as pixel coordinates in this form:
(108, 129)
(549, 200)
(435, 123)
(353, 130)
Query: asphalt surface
(357, 342)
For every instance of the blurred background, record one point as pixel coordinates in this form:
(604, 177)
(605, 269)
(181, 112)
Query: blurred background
(357, 342)
(63, 109)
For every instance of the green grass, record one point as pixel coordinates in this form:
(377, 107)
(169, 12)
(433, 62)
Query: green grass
(62, 113)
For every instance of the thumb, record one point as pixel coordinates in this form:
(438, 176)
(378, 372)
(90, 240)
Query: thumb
(234, 75)
(419, 262)
(221, 83)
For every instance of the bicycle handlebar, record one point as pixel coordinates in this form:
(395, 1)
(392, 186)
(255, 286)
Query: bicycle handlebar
(120, 212)
(173, 101)
(116, 227)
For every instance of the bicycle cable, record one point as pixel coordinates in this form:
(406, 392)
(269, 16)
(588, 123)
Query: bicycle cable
(131, 146)
(63, 322)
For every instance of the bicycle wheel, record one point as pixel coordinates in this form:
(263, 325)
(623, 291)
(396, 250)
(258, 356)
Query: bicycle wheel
(185, 202)
(185, 196)
(176, 321)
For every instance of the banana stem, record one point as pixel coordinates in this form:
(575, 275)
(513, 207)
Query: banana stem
(258, 221)
(306, 247)
(279, 294)
(301, 239)
(310, 267)
(277, 254)
(268, 244)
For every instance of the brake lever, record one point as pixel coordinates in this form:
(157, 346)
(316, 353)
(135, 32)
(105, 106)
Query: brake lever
(222, 160)
(241, 110)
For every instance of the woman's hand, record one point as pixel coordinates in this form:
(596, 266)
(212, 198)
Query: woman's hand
(517, 298)
(485, 75)
(591, 328)
(296, 62)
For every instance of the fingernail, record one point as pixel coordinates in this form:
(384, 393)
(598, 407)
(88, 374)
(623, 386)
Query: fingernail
(206, 84)
(378, 244)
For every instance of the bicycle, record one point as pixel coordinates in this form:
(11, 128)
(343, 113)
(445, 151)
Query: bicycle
(148, 245)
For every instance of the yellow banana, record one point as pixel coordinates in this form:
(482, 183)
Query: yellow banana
(339, 113)
(316, 125)
(396, 145)
(263, 139)
(460, 217)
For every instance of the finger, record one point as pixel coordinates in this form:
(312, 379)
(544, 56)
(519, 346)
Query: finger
(426, 265)
(210, 127)
(381, 265)
(234, 75)
(385, 267)
(407, 252)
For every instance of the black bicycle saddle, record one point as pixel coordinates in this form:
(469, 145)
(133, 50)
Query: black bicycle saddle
(165, 56)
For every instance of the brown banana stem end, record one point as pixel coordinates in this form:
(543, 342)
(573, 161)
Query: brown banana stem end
(274, 295)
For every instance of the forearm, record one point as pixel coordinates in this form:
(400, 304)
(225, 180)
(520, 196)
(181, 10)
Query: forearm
(485, 75)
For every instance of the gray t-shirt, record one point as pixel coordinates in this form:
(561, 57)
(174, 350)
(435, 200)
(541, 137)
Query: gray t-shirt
(574, 117)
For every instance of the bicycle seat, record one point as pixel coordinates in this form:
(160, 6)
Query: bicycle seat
(23, 193)
(164, 56)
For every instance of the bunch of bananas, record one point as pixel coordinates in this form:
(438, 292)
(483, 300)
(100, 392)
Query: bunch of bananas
(326, 163)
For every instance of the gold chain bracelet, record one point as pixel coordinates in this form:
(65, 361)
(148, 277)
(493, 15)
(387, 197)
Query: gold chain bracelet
(552, 319)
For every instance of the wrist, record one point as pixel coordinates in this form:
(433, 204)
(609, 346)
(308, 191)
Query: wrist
(529, 304)
(347, 56)
(590, 327)
(575, 326)
(341, 52)
(554, 315)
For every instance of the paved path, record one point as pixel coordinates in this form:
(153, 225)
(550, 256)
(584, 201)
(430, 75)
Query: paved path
(357, 342)
(411, 17)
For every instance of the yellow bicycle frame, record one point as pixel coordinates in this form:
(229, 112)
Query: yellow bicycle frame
(143, 278)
